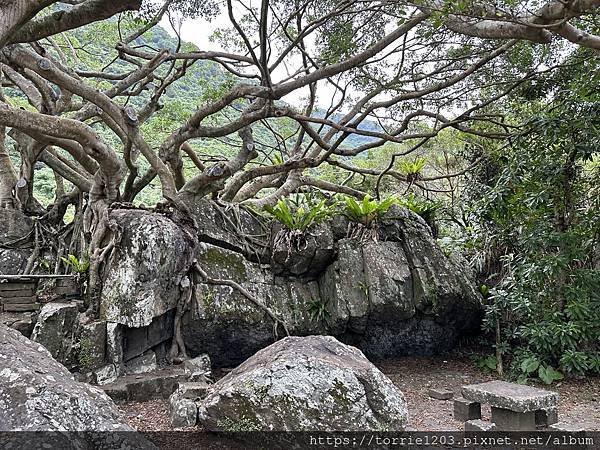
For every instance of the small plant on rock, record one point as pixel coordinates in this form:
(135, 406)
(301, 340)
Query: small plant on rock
(317, 309)
(77, 265)
(368, 210)
(301, 216)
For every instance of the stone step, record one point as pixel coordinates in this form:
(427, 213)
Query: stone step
(16, 291)
(20, 307)
(7, 287)
(159, 384)
(18, 300)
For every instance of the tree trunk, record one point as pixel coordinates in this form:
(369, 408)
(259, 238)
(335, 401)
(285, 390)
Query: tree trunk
(8, 177)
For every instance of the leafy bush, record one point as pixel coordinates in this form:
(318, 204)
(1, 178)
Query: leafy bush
(540, 213)
(368, 210)
(423, 207)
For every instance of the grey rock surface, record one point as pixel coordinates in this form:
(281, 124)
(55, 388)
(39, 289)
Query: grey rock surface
(92, 345)
(479, 425)
(142, 387)
(511, 396)
(398, 295)
(56, 330)
(198, 368)
(183, 412)
(15, 233)
(39, 394)
(303, 384)
(296, 253)
(142, 364)
(143, 280)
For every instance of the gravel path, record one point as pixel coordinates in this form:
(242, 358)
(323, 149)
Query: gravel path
(579, 402)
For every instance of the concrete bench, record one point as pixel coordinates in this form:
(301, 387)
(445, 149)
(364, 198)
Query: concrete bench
(515, 407)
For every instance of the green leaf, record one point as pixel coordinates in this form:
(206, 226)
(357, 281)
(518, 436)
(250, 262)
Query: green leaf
(530, 365)
(548, 374)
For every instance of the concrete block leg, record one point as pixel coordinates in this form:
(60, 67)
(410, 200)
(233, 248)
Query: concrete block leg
(507, 420)
(465, 410)
(546, 417)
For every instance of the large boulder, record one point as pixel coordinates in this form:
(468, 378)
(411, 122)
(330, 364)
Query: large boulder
(39, 394)
(15, 241)
(142, 281)
(312, 383)
(395, 295)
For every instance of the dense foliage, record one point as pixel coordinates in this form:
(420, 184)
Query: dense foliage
(538, 225)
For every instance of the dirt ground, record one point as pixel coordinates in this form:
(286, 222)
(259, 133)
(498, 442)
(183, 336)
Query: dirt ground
(579, 399)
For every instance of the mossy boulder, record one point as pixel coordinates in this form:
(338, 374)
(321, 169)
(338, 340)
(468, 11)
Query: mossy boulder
(312, 383)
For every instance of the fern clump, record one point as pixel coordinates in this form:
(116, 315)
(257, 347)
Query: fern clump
(367, 211)
(301, 216)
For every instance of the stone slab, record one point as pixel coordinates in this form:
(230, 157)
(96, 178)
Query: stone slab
(441, 394)
(568, 427)
(159, 384)
(20, 307)
(546, 417)
(511, 396)
(28, 299)
(6, 287)
(479, 425)
(8, 293)
(193, 390)
(465, 410)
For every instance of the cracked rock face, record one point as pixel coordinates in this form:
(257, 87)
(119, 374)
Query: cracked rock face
(304, 384)
(15, 228)
(397, 295)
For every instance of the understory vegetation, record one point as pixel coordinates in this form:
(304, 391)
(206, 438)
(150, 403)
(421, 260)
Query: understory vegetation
(303, 110)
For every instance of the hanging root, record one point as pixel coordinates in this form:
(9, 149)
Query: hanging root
(98, 255)
(209, 280)
(363, 233)
(177, 352)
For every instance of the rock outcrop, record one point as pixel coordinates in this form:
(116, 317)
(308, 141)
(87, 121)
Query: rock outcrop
(15, 241)
(143, 281)
(56, 329)
(394, 295)
(312, 383)
(39, 394)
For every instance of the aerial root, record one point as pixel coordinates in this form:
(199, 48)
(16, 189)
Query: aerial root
(209, 280)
